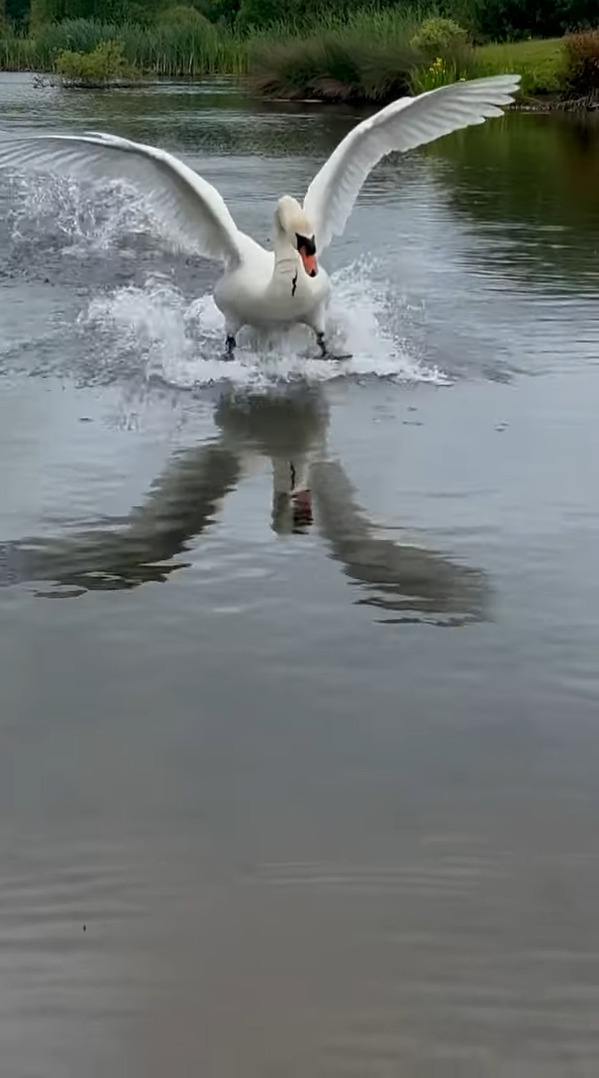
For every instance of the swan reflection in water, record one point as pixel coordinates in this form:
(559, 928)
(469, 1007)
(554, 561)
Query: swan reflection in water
(407, 582)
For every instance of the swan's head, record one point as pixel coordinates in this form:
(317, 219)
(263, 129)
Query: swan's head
(297, 226)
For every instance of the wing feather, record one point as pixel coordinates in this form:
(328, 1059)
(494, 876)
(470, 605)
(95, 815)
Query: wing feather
(186, 202)
(400, 126)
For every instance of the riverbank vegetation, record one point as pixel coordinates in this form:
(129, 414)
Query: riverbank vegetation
(329, 50)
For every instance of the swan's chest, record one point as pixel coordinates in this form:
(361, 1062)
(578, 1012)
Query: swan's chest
(295, 295)
(282, 298)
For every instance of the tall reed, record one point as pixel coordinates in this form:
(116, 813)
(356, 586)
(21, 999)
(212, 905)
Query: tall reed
(199, 48)
(368, 57)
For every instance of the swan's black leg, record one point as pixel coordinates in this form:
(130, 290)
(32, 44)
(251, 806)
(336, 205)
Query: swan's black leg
(324, 352)
(231, 345)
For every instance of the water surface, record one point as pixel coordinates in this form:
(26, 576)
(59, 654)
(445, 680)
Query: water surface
(282, 797)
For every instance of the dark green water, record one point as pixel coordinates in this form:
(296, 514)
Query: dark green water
(280, 798)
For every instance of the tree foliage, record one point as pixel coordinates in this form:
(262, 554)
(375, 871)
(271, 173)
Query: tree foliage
(143, 12)
(16, 10)
(503, 20)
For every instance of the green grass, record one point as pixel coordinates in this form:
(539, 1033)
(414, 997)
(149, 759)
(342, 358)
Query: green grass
(540, 62)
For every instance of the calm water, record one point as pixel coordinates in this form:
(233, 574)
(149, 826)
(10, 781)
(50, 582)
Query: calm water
(280, 798)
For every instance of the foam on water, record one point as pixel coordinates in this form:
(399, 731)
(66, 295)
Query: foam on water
(181, 343)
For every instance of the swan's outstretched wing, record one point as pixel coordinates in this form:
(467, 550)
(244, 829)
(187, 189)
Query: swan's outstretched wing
(409, 122)
(188, 204)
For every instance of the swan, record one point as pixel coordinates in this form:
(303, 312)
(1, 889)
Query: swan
(260, 288)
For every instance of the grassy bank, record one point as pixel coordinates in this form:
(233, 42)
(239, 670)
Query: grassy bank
(541, 63)
(372, 55)
(363, 62)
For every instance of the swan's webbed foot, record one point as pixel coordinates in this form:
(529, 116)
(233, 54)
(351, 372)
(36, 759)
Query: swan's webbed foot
(324, 352)
(230, 346)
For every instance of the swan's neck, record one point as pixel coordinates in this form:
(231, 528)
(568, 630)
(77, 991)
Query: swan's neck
(286, 257)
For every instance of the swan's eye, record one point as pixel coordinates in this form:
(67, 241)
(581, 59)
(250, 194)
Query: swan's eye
(305, 244)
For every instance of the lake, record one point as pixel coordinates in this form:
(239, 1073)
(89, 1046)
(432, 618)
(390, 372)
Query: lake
(300, 794)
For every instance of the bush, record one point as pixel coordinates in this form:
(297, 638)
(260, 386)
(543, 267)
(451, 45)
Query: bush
(447, 42)
(440, 37)
(105, 65)
(181, 15)
(581, 69)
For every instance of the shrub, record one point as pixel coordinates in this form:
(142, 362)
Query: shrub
(581, 70)
(181, 15)
(439, 37)
(105, 65)
(449, 55)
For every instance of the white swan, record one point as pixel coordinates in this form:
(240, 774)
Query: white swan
(269, 288)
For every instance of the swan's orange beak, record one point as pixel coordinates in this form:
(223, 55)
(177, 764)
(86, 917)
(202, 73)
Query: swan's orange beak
(310, 262)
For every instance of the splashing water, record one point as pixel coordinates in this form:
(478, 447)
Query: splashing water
(58, 211)
(181, 343)
(152, 330)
